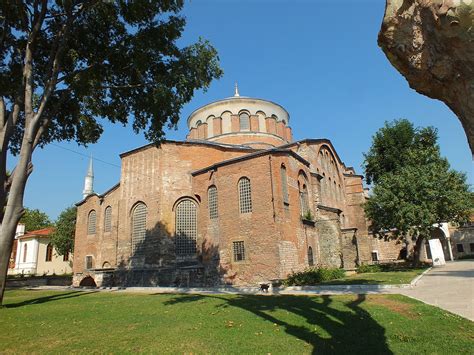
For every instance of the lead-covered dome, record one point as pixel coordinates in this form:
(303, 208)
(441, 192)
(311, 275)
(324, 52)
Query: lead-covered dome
(241, 120)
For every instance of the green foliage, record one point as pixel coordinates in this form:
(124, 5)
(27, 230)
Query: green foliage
(313, 276)
(308, 216)
(34, 219)
(416, 189)
(63, 236)
(117, 60)
(366, 268)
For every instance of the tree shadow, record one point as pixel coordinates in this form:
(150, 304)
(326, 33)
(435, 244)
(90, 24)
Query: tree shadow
(352, 330)
(50, 298)
(155, 261)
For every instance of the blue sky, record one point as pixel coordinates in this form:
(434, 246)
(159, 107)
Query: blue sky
(318, 59)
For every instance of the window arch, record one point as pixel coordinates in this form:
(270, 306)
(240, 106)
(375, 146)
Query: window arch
(186, 228)
(108, 219)
(245, 195)
(310, 256)
(91, 222)
(244, 121)
(212, 202)
(139, 215)
(25, 251)
(49, 252)
(284, 184)
(304, 200)
(198, 123)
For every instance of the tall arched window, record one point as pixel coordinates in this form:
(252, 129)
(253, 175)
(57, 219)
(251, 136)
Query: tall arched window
(310, 257)
(25, 251)
(212, 201)
(186, 228)
(245, 195)
(284, 184)
(139, 215)
(91, 222)
(244, 121)
(108, 219)
(304, 200)
(49, 252)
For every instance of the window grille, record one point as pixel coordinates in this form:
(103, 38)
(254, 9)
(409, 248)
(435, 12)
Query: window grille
(91, 222)
(49, 252)
(108, 219)
(245, 195)
(310, 257)
(239, 251)
(284, 184)
(88, 262)
(186, 228)
(212, 201)
(244, 122)
(139, 215)
(304, 202)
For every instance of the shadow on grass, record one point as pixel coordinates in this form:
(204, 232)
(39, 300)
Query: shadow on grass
(352, 330)
(50, 298)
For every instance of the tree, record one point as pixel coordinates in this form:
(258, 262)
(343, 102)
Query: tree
(35, 219)
(414, 188)
(67, 66)
(64, 229)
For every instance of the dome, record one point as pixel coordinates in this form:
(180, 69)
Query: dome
(241, 120)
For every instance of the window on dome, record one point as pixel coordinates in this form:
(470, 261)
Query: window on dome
(244, 122)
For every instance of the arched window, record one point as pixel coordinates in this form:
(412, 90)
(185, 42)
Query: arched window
(304, 200)
(49, 252)
(139, 215)
(25, 251)
(310, 257)
(212, 201)
(284, 184)
(186, 228)
(91, 222)
(198, 123)
(245, 195)
(334, 190)
(244, 121)
(108, 219)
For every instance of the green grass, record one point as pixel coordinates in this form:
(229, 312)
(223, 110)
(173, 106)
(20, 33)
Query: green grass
(378, 278)
(114, 322)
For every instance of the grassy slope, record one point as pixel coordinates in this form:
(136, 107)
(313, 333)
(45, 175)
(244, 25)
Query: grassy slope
(377, 278)
(48, 321)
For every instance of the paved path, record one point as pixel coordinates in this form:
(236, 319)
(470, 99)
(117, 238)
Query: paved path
(450, 287)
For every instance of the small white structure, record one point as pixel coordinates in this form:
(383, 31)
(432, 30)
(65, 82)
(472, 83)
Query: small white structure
(35, 255)
(437, 253)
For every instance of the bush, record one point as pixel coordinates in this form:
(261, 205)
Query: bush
(365, 268)
(313, 276)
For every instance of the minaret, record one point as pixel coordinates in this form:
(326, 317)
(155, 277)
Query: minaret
(236, 90)
(89, 181)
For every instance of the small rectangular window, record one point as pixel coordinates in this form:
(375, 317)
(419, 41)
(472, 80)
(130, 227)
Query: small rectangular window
(89, 262)
(239, 251)
(375, 255)
(460, 248)
(471, 246)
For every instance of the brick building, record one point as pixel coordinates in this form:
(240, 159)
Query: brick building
(238, 202)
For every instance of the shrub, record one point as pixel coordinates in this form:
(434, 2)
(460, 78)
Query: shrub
(313, 276)
(365, 268)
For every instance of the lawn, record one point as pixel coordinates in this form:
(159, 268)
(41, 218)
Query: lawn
(112, 322)
(379, 278)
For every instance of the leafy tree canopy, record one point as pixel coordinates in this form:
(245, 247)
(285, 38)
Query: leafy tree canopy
(63, 236)
(99, 59)
(414, 187)
(34, 219)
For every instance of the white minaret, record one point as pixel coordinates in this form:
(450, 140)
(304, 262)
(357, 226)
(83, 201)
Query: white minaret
(89, 181)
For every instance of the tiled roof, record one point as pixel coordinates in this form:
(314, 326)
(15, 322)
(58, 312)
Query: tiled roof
(41, 233)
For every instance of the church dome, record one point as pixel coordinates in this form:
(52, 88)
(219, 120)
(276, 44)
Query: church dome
(241, 120)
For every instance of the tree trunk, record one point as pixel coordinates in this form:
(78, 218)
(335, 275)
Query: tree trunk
(417, 251)
(14, 209)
